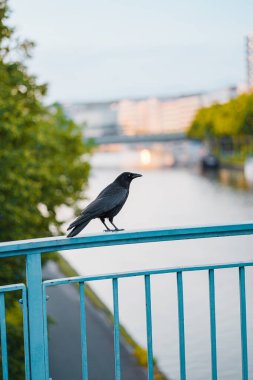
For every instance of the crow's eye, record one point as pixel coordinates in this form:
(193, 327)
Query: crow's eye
(129, 175)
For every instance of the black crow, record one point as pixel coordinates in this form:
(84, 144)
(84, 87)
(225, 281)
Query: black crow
(107, 204)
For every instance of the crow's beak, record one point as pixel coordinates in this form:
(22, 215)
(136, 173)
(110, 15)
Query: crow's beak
(135, 175)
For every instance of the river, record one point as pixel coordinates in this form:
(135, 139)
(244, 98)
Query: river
(165, 198)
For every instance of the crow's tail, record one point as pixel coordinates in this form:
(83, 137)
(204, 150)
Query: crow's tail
(78, 227)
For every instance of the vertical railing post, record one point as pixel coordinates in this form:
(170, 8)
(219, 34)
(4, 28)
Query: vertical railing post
(243, 323)
(116, 329)
(212, 323)
(35, 316)
(83, 331)
(149, 327)
(4, 348)
(180, 300)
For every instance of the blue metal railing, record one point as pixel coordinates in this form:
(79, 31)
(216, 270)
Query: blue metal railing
(4, 349)
(34, 295)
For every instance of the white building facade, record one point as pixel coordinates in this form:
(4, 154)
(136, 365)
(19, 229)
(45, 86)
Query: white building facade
(154, 116)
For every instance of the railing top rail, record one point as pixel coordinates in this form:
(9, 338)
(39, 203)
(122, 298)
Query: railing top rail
(146, 272)
(12, 288)
(60, 243)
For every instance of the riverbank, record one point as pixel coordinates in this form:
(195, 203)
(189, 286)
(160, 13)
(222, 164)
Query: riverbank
(232, 165)
(99, 329)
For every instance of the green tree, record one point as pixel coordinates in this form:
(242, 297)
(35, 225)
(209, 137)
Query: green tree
(42, 162)
(228, 128)
(233, 119)
(42, 154)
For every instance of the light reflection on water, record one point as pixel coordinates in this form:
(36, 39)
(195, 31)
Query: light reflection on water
(178, 197)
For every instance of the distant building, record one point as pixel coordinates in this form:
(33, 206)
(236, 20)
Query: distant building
(151, 116)
(98, 119)
(177, 114)
(139, 117)
(174, 115)
(249, 42)
(145, 116)
(219, 96)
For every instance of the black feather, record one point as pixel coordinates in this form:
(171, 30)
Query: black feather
(107, 204)
(78, 228)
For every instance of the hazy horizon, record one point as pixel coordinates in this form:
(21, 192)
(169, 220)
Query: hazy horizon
(106, 50)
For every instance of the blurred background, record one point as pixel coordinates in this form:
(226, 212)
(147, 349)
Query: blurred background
(158, 87)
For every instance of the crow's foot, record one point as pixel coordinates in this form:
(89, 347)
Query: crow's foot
(115, 230)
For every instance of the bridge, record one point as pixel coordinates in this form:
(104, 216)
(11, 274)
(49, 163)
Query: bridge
(34, 296)
(136, 139)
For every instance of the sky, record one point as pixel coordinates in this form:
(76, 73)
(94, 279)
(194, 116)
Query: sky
(109, 49)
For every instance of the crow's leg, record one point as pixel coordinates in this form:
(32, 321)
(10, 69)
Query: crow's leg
(116, 228)
(107, 228)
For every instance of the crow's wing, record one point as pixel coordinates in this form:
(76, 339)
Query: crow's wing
(107, 200)
(111, 197)
(110, 189)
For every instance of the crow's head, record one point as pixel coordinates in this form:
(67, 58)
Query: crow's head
(126, 178)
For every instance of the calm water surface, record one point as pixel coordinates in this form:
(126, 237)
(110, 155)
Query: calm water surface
(166, 198)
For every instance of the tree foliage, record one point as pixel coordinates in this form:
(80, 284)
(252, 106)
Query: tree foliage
(42, 164)
(234, 118)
